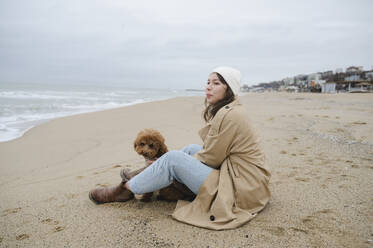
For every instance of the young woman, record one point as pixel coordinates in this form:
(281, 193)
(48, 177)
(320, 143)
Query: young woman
(227, 173)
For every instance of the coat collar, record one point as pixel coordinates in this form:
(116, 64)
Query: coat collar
(224, 110)
(217, 118)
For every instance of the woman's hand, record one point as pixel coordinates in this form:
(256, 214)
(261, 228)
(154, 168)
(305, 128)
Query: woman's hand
(149, 161)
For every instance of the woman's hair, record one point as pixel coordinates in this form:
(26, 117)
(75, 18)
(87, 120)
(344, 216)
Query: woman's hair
(211, 110)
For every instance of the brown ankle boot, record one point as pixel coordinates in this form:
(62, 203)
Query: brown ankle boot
(110, 194)
(126, 174)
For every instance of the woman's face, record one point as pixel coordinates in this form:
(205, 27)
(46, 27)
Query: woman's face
(215, 90)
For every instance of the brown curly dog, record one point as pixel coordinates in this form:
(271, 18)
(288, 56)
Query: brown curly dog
(150, 144)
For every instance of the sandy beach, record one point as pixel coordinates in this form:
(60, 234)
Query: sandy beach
(319, 148)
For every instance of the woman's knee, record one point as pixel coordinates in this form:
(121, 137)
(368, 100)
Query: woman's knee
(174, 155)
(191, 149)
(172, 159)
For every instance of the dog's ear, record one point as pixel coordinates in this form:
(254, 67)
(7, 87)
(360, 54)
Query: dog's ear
(163, 148)
(137, 140)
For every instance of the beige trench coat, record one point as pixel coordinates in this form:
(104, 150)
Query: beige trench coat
(238, 187)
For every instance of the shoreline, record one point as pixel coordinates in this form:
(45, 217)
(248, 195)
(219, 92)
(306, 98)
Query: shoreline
(23, 128)
(321, 189)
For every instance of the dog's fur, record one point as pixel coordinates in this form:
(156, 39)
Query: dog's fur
(150, 144)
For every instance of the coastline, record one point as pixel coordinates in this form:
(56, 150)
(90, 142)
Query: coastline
(321, 187)
(19, 129)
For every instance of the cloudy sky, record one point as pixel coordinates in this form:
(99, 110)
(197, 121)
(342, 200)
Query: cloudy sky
(175, 44)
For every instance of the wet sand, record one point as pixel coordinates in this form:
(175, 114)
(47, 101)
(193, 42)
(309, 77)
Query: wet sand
(319, 149)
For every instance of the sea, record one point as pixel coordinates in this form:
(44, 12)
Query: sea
(23, 106)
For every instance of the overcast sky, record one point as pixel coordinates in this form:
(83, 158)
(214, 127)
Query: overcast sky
(175, 44)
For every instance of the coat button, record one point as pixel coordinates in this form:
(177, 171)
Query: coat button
(227, 107)
(212, 218)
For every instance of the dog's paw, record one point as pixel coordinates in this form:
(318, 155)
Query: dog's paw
(146, 199)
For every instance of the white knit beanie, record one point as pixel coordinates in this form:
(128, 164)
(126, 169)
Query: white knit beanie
(231, 76)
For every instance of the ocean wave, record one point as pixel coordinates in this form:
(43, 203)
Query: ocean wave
(22, 109)
(55, 95)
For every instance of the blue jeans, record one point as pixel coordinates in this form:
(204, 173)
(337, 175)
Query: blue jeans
(178, 165)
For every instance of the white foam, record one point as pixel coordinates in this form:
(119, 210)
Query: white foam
(21, 109)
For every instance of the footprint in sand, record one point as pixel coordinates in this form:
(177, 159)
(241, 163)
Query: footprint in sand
(71, 196)
(295, 229)
(117, 166)
(325, 211)
(291, 174)
(302, 179)
(79, 177)
(313, 221)
(22, 236)
(307, 219)
(343, 186)
(340, 130)
(276, 230)
(58, 229)
(358, 123)
(11, 211)
(283, 152)
(49, 221)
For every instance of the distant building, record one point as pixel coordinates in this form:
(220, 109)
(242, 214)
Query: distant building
(245, 88)
(288, 81)
(313, 79)
(326, 73)
(328, 87)
(257, 89)
(291, 88)
(352, 78)
(301, 83)
(354, 69)
(300, 80)
(369, 74)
